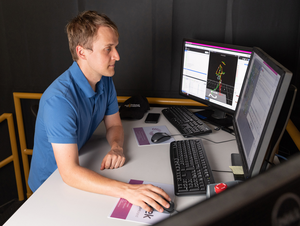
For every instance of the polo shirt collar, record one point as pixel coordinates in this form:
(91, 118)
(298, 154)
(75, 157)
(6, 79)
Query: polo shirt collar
(83, 83)
(100, 87)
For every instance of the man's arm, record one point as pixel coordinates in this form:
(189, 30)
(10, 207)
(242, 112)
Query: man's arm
(115, 137)
(73, 174)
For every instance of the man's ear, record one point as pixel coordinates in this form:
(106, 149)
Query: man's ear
(80, 52)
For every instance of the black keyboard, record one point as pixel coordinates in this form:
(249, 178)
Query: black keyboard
(190, 167)
(185, 121)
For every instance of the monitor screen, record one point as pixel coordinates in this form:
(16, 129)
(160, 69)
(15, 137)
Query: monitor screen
(265, 86)
(213, 74)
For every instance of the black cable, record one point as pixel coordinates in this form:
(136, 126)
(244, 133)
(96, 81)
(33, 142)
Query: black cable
(217, 142)
(202, 138)
(271, 163)
(221, 171)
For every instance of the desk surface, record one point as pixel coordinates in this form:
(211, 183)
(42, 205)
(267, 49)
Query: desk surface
(56, 203)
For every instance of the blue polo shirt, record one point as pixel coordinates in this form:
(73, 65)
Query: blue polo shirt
(69, 112)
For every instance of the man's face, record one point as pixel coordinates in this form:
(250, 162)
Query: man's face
(101, 59)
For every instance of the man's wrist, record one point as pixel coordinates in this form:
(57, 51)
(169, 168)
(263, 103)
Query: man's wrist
(116, 146)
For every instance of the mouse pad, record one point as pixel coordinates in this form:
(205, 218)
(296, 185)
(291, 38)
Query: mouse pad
(124, 210)
(143, 134)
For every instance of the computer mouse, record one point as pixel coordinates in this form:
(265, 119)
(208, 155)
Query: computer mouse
(171, 209)
(160, 137)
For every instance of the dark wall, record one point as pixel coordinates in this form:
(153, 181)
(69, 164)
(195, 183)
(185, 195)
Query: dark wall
(34, 47)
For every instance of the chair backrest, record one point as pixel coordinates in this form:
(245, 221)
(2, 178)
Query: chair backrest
(14, 157)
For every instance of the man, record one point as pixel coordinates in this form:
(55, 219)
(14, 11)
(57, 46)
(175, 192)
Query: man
(73, 106)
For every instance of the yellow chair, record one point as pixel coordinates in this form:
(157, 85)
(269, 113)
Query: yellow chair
(14, 157)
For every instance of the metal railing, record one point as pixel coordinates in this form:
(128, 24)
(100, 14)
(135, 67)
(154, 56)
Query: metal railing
(14, 157)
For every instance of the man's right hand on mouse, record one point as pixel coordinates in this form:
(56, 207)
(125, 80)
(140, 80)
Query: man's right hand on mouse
(143, 194)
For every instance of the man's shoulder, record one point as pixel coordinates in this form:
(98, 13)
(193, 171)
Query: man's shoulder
(62, 87)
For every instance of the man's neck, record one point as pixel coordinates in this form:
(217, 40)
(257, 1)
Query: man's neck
(91, 78)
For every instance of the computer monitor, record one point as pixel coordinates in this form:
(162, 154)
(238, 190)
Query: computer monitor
(274, 193)
(213, 73)
(270, 198)
(261, 99)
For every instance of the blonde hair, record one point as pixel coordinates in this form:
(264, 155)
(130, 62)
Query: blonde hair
(83, 29)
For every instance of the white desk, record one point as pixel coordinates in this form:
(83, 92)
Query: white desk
(56, 203)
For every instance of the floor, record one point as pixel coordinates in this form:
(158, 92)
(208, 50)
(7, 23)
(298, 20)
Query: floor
(8, 210)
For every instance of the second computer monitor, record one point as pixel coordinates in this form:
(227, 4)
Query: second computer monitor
(264, 90)
(213, 74)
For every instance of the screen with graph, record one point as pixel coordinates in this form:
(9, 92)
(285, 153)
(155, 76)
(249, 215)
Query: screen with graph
(213, 73)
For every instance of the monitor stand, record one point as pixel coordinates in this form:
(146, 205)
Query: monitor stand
(237, 161)
(215, 117)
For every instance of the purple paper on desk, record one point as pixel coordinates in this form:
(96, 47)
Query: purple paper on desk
(143, 134)
(128, 212)
(123, 207)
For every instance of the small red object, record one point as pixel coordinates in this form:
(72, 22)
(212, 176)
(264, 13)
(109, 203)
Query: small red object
(220, 187)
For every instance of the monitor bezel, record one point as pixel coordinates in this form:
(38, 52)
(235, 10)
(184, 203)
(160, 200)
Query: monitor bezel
(277, 102)
(219, 45)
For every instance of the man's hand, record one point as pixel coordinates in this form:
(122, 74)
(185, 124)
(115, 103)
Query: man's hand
(114, 159)
(143, 194)
(115, 137)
